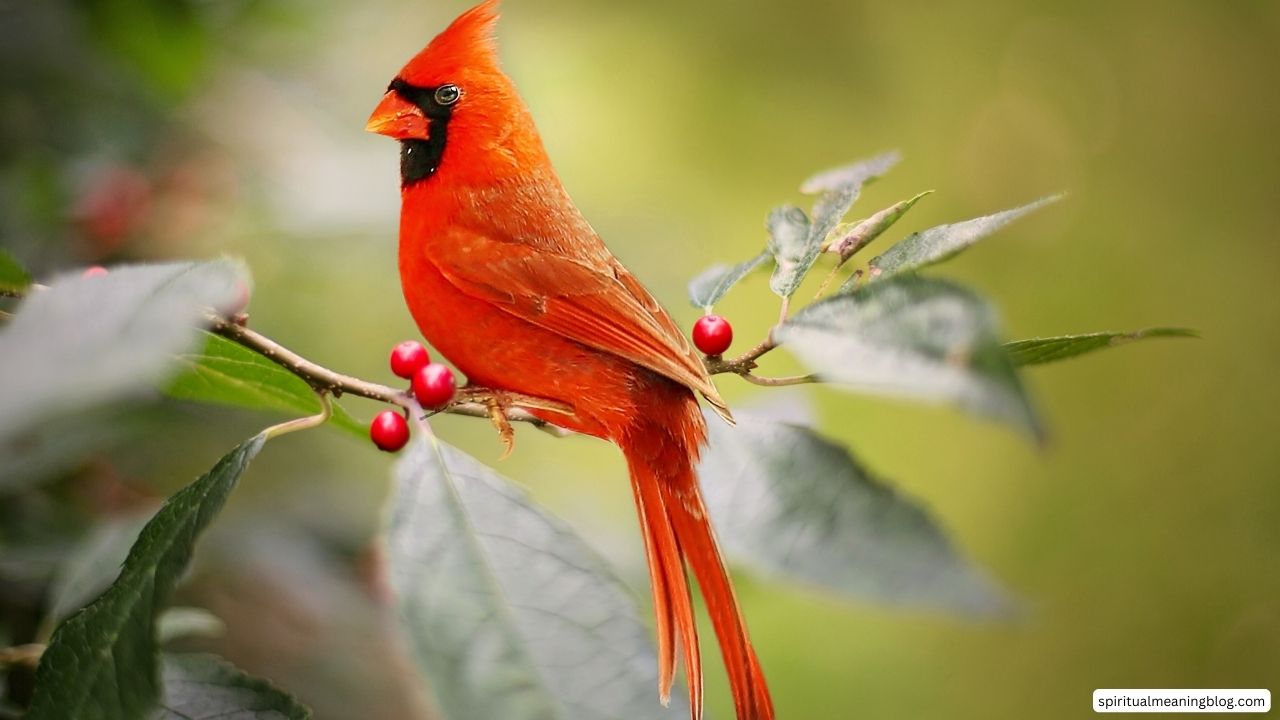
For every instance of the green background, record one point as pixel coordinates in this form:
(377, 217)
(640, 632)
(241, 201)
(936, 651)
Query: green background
(1143, 539)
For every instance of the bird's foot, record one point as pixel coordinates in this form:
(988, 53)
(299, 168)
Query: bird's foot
(498, 416)
(498, 405)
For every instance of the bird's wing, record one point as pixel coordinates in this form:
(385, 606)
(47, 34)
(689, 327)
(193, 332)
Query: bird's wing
(594, 301)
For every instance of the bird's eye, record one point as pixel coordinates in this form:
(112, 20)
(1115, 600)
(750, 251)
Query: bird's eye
(448, 94)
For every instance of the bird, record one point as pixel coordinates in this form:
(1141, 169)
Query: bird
(507, 280)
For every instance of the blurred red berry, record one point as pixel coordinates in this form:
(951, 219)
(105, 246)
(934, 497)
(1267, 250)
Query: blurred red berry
(712, 334)
(434, 385)
(389, 431)
(94, 271)
(114, 206)
(408, 358)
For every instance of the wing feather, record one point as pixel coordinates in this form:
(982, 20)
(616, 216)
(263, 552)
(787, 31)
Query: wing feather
(592, 300)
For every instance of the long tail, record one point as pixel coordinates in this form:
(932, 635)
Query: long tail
(661, 449)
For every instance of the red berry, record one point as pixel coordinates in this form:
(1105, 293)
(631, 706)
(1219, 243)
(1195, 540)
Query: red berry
(712, 334)
(433, 385)
(94, 271)
(389, 431)
(408, 358)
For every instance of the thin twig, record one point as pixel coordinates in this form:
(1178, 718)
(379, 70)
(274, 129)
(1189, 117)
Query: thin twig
(740, 365)
(779, 381)
(826, 282)
(325, 380)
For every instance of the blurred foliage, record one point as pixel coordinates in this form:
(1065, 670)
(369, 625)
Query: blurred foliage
(1143, 537)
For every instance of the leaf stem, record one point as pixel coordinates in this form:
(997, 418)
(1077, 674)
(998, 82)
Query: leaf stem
(21, 655)
(304, 423)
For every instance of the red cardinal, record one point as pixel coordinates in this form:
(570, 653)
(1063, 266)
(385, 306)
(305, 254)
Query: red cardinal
(507, 279)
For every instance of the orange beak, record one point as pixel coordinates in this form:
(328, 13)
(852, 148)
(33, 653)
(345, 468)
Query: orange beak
(398, 118)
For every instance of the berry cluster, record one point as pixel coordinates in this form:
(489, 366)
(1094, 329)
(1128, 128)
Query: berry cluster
(432, 384)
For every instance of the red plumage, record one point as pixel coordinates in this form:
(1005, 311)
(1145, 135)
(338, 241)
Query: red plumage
(509, 282)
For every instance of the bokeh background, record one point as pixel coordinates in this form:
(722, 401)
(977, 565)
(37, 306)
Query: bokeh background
(1143, 539)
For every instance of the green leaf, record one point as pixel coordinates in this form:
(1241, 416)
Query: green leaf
(944, 241)
(914, 337)
(506, 612)
(860, 234)
(1051, 349)
(789, 245)
(711, 284)
(858, 173)
(206, 687)
(87, 342)
(13, 277)
(791, 504)
(224, 372)
(101, 662)
(795, 241)
(829, 210)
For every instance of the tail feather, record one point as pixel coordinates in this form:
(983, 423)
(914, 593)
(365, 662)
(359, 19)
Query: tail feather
(672, 597)
(678, 534)
(651, 517)
(746, 680)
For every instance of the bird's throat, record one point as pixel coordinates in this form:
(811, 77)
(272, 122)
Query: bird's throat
(419, 159)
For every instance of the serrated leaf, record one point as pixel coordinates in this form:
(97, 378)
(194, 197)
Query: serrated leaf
(506, 612)
(789, 245)
(829, 209)
(914, 337)
(224, 372)
(13, 277)
(711, 284)
(87, 342)
(860, 234)
(1051, 349)
(940, 243)
(206, 687)
(795, 241)
(858, 173)
(793, 505)
(101, 663)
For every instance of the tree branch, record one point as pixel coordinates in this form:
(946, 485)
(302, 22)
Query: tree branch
(472, 400)
(469, 403)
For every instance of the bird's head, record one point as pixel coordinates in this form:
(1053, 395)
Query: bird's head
(452, 100)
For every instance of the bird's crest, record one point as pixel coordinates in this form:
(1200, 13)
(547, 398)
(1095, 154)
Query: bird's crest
(466, 45)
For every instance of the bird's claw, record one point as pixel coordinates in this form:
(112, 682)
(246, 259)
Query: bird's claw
(498, 416)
